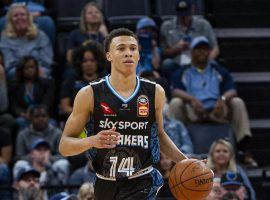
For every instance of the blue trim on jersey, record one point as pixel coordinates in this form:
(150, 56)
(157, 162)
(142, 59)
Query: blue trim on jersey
(154, 143)
(118, 95)
(156, 185)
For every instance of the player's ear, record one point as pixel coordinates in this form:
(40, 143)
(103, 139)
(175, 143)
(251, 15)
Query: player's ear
(108, 56)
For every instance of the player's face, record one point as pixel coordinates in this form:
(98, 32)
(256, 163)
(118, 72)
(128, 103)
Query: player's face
(123, 54)
(221, 155)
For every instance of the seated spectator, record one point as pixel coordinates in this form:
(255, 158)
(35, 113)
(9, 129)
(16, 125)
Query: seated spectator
(216, 191)
(205, 92)
(41, 12)
(27, 185)
(82, 175)
(88, 62)
(86, 192)
(146, 31)
(6, 119)
(177, 34)
(39, 128)
(177, 131)
(221, 158)
(29, 89)
(91, 28)
(21, 37)
(233, 182)
(52, 173)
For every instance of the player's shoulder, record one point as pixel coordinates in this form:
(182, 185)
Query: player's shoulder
(147, 81)
(85, 91)
(159, 89)
(97, 81)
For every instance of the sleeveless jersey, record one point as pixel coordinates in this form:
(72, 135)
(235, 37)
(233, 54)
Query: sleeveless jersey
(134, 119)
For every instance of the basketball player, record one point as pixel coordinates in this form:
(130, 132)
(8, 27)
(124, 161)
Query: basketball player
(127, 133)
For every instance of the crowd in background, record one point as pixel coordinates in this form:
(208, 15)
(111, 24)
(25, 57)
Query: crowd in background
(180, 54)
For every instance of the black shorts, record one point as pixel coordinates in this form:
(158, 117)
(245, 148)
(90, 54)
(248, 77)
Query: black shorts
(140, 188)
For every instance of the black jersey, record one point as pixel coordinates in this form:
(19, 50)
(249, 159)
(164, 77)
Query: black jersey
(134, 119)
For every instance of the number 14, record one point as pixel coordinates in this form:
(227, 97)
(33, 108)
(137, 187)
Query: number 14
(126, 166)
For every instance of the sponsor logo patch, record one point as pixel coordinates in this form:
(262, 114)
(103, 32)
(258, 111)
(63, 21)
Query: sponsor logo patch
(107, 111)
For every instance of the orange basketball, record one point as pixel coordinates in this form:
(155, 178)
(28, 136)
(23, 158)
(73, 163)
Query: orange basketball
(190, 179)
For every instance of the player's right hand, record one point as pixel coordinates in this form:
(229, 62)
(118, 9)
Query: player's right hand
(106, 139)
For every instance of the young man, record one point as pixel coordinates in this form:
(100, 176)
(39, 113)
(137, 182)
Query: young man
(127, 133)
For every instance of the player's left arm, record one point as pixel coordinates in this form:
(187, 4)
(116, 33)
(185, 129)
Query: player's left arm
(166, 145)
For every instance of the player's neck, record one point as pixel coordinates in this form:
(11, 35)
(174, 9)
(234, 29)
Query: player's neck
(123, 83)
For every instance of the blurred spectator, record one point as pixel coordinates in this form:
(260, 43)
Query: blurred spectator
(205, 92)
(165, 165)
(39, 128)
(29, 89)
(147, 32)
(88, 61)
(27, 185)
(21, 37)
(216, 191)
(52, 173)
(177, 33)
(91, 28)
(41, 11)
(177, 132)
(230, 196)
(233, 182)
(6, 120)
(221, 158)
(86, 192)
(82, 175)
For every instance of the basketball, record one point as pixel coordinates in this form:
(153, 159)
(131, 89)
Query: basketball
(190, 179)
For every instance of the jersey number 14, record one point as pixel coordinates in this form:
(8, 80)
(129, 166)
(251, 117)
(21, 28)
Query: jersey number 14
(126, 166)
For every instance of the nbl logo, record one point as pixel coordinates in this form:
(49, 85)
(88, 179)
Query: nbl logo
(142, 106)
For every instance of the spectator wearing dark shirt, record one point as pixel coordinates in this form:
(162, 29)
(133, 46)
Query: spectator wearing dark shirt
(88, 62)
(91, 28)
(29, 89)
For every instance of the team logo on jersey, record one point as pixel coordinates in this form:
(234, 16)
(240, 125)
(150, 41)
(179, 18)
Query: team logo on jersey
(107, 111)
(142, 106)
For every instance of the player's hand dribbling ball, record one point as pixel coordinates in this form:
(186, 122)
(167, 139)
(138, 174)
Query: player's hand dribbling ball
(190, 179)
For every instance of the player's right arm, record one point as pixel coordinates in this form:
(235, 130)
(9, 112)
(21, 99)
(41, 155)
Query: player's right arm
(70, 143)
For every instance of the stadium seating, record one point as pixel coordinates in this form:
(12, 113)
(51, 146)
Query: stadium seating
(125, 13)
